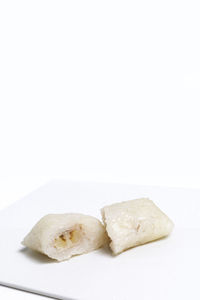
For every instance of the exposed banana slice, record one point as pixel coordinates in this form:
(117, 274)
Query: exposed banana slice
(133, 223)
(61, 236)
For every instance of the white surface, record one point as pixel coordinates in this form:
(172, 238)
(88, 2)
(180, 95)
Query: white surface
(101, 88)
(165, 269)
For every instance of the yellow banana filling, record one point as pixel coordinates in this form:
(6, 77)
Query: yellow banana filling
(67, 239)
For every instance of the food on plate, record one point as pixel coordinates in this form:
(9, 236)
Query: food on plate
(133, 223)
(60, 236)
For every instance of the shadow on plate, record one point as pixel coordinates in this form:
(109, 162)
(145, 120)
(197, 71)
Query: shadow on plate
(36, 256)
(105, 251)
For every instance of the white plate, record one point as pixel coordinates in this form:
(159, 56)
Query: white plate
(166, 269)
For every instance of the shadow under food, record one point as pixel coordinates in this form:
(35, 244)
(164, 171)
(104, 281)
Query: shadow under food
(36, 256)
(105, 250)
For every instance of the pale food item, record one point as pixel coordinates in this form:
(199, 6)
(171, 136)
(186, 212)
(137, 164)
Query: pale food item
(133, 223)
(60, 236)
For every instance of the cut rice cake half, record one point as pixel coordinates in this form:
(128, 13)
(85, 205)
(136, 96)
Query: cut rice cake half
(60, 236)
(133, 223)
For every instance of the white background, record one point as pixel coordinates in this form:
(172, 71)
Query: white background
(101, 90)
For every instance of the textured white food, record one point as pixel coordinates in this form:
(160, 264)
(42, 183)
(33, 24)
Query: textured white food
(133, 223)
(61, 236)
